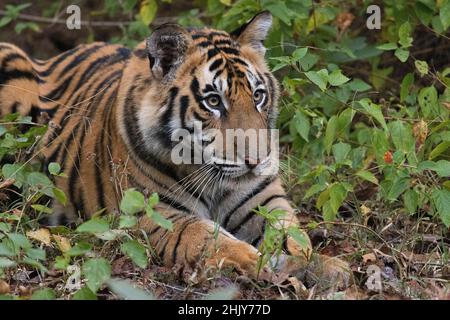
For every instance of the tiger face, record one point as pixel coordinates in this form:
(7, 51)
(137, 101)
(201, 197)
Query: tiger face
(214, 99)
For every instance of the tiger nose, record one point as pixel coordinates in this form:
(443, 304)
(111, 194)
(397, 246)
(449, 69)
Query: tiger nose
(251, 163)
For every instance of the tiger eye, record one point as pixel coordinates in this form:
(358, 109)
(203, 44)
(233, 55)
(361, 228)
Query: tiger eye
(258, 96)
(213, 101)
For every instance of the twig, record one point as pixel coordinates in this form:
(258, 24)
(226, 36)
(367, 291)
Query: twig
(28, 17)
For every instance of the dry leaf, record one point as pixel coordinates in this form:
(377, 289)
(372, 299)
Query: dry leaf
(369, 257)
(4, 287)
(62, 242)
(344, 20)
(365, 210)
(41, 235)
(420, 132)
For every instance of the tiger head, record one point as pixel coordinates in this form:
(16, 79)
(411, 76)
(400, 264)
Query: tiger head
(213, 81)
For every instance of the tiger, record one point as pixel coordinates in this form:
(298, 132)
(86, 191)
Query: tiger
(111, 114)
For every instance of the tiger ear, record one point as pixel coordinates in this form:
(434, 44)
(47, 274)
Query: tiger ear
(255, 31)
(166, 49)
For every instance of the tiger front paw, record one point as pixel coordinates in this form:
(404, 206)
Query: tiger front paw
(237, 255)
(324, 271)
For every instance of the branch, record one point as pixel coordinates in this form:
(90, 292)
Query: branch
(85, 23)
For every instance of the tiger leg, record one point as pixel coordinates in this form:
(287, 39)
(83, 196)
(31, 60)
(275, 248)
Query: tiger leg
(311, 267)
(194, 239)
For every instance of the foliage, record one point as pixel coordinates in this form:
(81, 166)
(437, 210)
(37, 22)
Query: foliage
(361, 112)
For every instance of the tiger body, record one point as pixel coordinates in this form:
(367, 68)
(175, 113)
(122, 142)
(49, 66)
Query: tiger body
(111, 112)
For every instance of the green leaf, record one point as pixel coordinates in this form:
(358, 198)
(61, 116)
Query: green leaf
(96, 271)
(159, 219)
(36, 254)
(336, 78)
(44, 294)
(428, 101)
(358, 85)
(60, 196)
(402, 54)
(441, 201)
(404, 35)
(442, 167)
(340, 151)
(19, 240)
(14, 171)
(4, 21)
(422, 67)
(411, 201)
(132, 202)
(95, 225)
(338, 193)
(330, 133)
(319, 78)
(374, 110)
(153, 200)
(368, 176)
(439, 149)
(423, 12)
(387, 46)
(84, 294)
(444, 15)
(61, 262)
(79, 249)
(126, 221)
(299, 53)
(41, 182)
(299, 236)
(148, 11)
(397, 188)
(127, 291)
(315, 188)
(344, 120)
(6, 263)
(54, 168)
(406, 85)
(302, 125)
(281, 11)
(136, 252)
(402, 137)
(5, 227)
(41, 208)
(309, 61)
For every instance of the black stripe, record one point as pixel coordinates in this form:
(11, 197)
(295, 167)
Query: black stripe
(58, 92)
(216, 64)
(79, 59)
(261, 186)
(100, 146)
(5, 76)
(14, 108)
(165, 131)
(74, 174)
(195, 89)
(184, 104)
(58, 60)
(121, 54)
(11, 57)
(229, 50)
(252, 213)
(180, 234)
(135, 137)
(140, 53)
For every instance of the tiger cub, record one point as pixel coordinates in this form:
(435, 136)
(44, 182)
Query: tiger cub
(112, 114)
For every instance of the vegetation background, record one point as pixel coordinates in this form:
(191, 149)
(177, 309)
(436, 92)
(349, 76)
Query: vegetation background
(365, 139)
